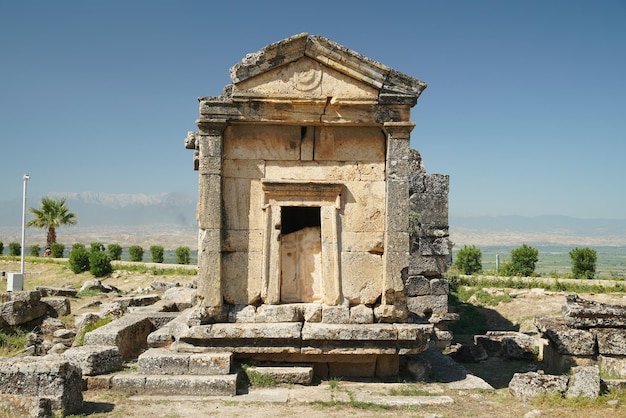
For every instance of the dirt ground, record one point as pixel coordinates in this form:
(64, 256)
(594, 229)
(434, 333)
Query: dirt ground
(343, 397)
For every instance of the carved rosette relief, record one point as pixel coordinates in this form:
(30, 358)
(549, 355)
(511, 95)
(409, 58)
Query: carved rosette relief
(308, 77)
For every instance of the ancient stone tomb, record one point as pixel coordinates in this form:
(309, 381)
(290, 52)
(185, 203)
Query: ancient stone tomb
(310, 197)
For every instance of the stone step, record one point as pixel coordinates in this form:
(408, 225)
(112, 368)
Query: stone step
(207, 385)
(161, 361)
(300, 375)
(308, 338)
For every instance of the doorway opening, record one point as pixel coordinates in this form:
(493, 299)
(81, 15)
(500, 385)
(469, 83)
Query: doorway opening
(301, 255)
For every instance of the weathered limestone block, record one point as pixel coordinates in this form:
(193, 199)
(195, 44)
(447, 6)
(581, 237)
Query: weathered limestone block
(218, 331)
(439, 287)
(129, 334)
(371, 242)
(529, 385)
(25, 406)
(246, 168)
(57, 291)
(94, 360)
(312, 312)
(17, 312)
(278, 313)
(243, 277)
(389, 314)
(57, 306)
(349, 332)
(427, 265)
(361, 314)
(269, 142)
(429, 209)
(182, 297)
(611, 341)
(242, 313)
(566, 340)
(364, 206)
(580, 313)
(121, 305)
(584, 382)
(417, 286)
(615, 366)
(361, 277)
(335, 314)
(213, 385)
(434, 246)
(295, 375)
(58, 380)
(428, 305)
(242, 241)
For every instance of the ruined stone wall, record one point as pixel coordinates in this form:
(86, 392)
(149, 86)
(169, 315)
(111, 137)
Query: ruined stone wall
(353, 156)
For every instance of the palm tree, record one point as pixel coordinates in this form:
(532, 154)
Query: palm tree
(53, 213)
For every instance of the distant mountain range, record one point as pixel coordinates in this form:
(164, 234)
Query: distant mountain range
(176, 211)
(549, 229)
(108, 209)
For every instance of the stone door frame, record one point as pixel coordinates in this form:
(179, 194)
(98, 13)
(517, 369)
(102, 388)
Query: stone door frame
(323, 194)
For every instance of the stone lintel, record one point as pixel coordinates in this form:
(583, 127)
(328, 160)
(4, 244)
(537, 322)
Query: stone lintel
(310, 112)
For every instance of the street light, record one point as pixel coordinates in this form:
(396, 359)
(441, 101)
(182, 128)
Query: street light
(26, 177)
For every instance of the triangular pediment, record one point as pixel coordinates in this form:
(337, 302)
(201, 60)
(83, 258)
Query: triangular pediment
(313, 66)
(305, 78)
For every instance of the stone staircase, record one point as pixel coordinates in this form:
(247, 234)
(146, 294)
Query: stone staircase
(165, 372)
(161, 371)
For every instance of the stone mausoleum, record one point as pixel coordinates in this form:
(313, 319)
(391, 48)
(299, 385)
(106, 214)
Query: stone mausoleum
(321, 236)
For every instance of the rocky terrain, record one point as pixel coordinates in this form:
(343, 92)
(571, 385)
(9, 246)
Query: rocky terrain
(451, 389)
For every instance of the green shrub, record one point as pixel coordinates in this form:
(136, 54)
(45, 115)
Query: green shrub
(57, 250)
(523, 260)
(583, 262)
(15, 248)
(1, 247)
(78, 245)
(97, 246)
(79, 258)
(115, 251)
(35, 250)
(157, 253)
(182, 255)
(100, 264)
(469, 260)
(136, 253)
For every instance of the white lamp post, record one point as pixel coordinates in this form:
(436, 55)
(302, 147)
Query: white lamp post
(15, 281)
(26, 177)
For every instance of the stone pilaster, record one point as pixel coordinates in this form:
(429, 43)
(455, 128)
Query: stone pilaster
(396, 255)
(209, 211)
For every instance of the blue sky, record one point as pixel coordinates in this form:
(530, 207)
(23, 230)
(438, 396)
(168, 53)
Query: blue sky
(525, 106)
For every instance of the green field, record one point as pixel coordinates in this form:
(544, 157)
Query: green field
(554, 259)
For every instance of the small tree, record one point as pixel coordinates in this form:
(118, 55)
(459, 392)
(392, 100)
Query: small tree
(182, 255)
(115, 251)
(52, 214)
(97, 246)
(523, 260)
(1, 247)
(35, 250)
(469, 260)
(157, 253)
(100, 263)
(583, 262)
(136, 253)
(79, 258)
(57, 250)
(15, 248)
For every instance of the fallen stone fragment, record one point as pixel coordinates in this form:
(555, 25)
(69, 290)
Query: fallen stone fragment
(581, 313)
(584, 382)
(529, 385)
